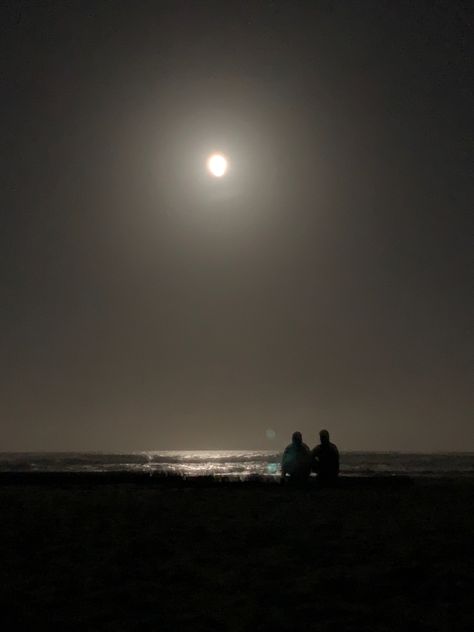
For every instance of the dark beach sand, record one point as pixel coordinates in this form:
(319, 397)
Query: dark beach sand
(78, 555)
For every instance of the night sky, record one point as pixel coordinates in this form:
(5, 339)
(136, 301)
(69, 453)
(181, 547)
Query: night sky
(325, 281)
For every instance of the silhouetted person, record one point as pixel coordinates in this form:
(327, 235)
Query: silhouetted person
(296, 460)
(326, 459)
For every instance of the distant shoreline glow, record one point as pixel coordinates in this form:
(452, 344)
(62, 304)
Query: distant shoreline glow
(217, 165)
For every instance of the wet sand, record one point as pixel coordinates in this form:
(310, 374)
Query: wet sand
(168, 555)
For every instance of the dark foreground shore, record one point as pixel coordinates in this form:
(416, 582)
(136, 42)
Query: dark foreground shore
(176, 555)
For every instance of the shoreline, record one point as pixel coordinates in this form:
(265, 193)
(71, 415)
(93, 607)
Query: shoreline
(177, 480)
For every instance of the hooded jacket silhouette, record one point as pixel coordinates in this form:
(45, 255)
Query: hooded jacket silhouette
(296, 460)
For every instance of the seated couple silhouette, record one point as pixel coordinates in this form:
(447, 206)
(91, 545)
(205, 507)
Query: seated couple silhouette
(299, 461)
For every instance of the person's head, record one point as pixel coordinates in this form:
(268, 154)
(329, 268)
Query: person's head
(324, 436)
(297, 438)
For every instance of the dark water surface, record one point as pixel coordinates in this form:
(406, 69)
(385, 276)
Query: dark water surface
(240, 463)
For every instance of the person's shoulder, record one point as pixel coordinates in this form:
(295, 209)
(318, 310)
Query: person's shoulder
(316, 449)
(334, 447)
(306, 448)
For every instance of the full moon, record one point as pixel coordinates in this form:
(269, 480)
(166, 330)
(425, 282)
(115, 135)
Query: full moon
(217, 165)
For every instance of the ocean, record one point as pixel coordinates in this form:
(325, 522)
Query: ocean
(233, 463)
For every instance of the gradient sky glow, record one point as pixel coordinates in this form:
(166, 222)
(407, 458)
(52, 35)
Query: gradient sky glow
(323, 282)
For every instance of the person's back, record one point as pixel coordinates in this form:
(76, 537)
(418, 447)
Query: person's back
(326, 458)
(296, 460)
